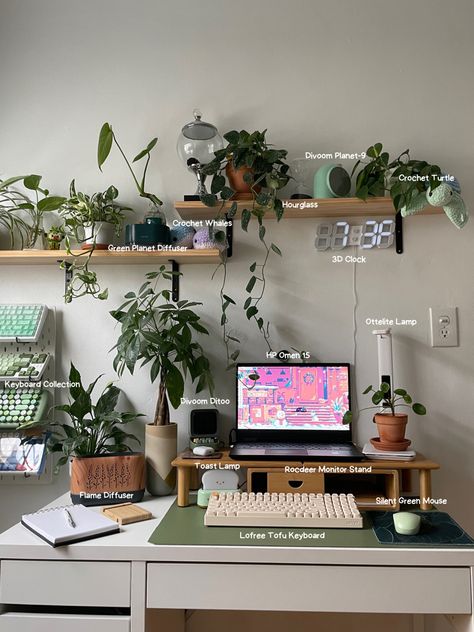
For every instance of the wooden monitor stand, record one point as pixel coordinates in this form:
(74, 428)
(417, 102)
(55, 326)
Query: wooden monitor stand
(188, 467)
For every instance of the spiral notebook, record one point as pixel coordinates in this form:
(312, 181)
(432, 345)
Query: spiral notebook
(68, 524)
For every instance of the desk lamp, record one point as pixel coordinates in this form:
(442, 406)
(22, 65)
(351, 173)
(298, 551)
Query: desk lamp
(196, 146)
(385, 356)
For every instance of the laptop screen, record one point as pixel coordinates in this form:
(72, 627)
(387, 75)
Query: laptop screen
(292, 397)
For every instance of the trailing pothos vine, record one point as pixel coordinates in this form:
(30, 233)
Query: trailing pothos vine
(265, 172)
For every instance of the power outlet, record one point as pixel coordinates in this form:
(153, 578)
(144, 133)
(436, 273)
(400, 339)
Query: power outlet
(444, 327)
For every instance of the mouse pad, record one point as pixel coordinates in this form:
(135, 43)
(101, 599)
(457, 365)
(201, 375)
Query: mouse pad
(185, 526)
(437, 528)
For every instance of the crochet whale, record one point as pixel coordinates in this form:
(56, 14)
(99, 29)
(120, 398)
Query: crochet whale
(452, 203)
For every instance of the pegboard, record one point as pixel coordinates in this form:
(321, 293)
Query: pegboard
(46, 344)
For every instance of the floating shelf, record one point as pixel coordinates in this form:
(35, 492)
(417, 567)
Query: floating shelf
(106, 257)
(330, 207)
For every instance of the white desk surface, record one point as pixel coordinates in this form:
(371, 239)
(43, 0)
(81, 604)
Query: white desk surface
(132, 545)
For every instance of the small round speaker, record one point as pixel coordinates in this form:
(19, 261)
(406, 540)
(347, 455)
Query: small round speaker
(331, 181)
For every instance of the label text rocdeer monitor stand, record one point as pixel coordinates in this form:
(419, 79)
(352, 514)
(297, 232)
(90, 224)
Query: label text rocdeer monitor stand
(188, 468)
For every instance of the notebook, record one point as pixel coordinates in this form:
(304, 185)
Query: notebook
(372, 453)
(54, 525)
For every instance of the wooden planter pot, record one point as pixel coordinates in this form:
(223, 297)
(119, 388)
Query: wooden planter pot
(161, 447)
(108, 479)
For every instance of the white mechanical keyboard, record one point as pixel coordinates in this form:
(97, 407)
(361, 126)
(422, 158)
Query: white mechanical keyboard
(236, 509)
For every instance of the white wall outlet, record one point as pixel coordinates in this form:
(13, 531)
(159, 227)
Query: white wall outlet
(444, 327)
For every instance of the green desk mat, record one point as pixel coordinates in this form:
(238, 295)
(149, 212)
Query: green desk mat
(184, 526)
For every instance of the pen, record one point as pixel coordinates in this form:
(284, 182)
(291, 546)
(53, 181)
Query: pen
(69, 518)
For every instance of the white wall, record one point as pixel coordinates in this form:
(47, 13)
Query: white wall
(321, 77)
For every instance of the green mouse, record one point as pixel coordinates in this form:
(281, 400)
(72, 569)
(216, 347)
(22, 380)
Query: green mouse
(406, 523)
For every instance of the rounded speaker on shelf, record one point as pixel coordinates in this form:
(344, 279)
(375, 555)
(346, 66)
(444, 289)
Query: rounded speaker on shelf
(331, 181)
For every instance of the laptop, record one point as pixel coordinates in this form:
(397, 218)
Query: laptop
(293, 411)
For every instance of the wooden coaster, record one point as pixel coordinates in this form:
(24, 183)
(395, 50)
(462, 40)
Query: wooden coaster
(126, 513)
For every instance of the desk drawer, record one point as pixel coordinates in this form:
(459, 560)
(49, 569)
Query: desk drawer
(105, 584)
(377, 589)
(34, 622)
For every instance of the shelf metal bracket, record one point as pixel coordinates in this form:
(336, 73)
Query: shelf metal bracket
(67, 273)
(175, 280)
(229, 233)
(399, 233)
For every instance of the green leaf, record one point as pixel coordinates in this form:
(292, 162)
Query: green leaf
(251, 312)
(253, 266)
(248, 302)
(209, 200)
(227, 193)
(234, 355)
(246, 215)
(251, 284)
(232, 137)
(419, 409)
(377, 397)
(400, 391)
(218, 182)
(105, 144)
(254, 377)
(227, 298)
(367, 390)
(276, 249)
(174, 385)
(347, 417)
(32, 182)
(261, 233)
(233, 210)
(384, 387)
(407, 399)
(51, 203)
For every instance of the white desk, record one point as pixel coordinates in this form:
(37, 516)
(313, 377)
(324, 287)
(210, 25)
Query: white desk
(125, 572)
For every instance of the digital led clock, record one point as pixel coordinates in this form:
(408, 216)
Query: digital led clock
(339, 235)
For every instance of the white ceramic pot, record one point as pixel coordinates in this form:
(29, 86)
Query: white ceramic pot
(102, 233)
(161, 446)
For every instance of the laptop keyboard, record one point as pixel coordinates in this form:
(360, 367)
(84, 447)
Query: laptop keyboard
(315, 447)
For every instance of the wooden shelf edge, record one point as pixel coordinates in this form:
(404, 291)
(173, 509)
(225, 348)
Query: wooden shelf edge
(105, 257)
(303, 209)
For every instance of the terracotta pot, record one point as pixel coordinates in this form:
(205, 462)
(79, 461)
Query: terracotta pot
(391, 427)
(108, 479)
(161, 447)
(242, 190)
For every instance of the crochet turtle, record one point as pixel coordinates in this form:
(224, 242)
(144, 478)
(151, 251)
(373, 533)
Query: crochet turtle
(445, 196)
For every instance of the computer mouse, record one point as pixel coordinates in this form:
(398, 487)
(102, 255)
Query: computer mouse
(406, 523)
(203, 450)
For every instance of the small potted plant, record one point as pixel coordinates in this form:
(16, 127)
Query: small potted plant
(94, 219)
(33, 206)
(391, 425)
(103, 468)
(250, 163)
(161, 335)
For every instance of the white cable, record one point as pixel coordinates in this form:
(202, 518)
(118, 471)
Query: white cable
(355, 406)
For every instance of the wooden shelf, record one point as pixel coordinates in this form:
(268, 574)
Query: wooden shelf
(328, 208)
(105, 257)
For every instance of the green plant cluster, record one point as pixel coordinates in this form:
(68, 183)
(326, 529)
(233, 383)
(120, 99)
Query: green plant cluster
(266, 173)
(162, 335)
(94, 429)
(391, 400)
(381, 174)
(80, 211)
(22, 213)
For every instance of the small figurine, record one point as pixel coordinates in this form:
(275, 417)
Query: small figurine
(54, 237)
(445, 196)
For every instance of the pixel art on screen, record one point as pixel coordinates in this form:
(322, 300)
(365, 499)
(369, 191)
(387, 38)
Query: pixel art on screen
(293, 397)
